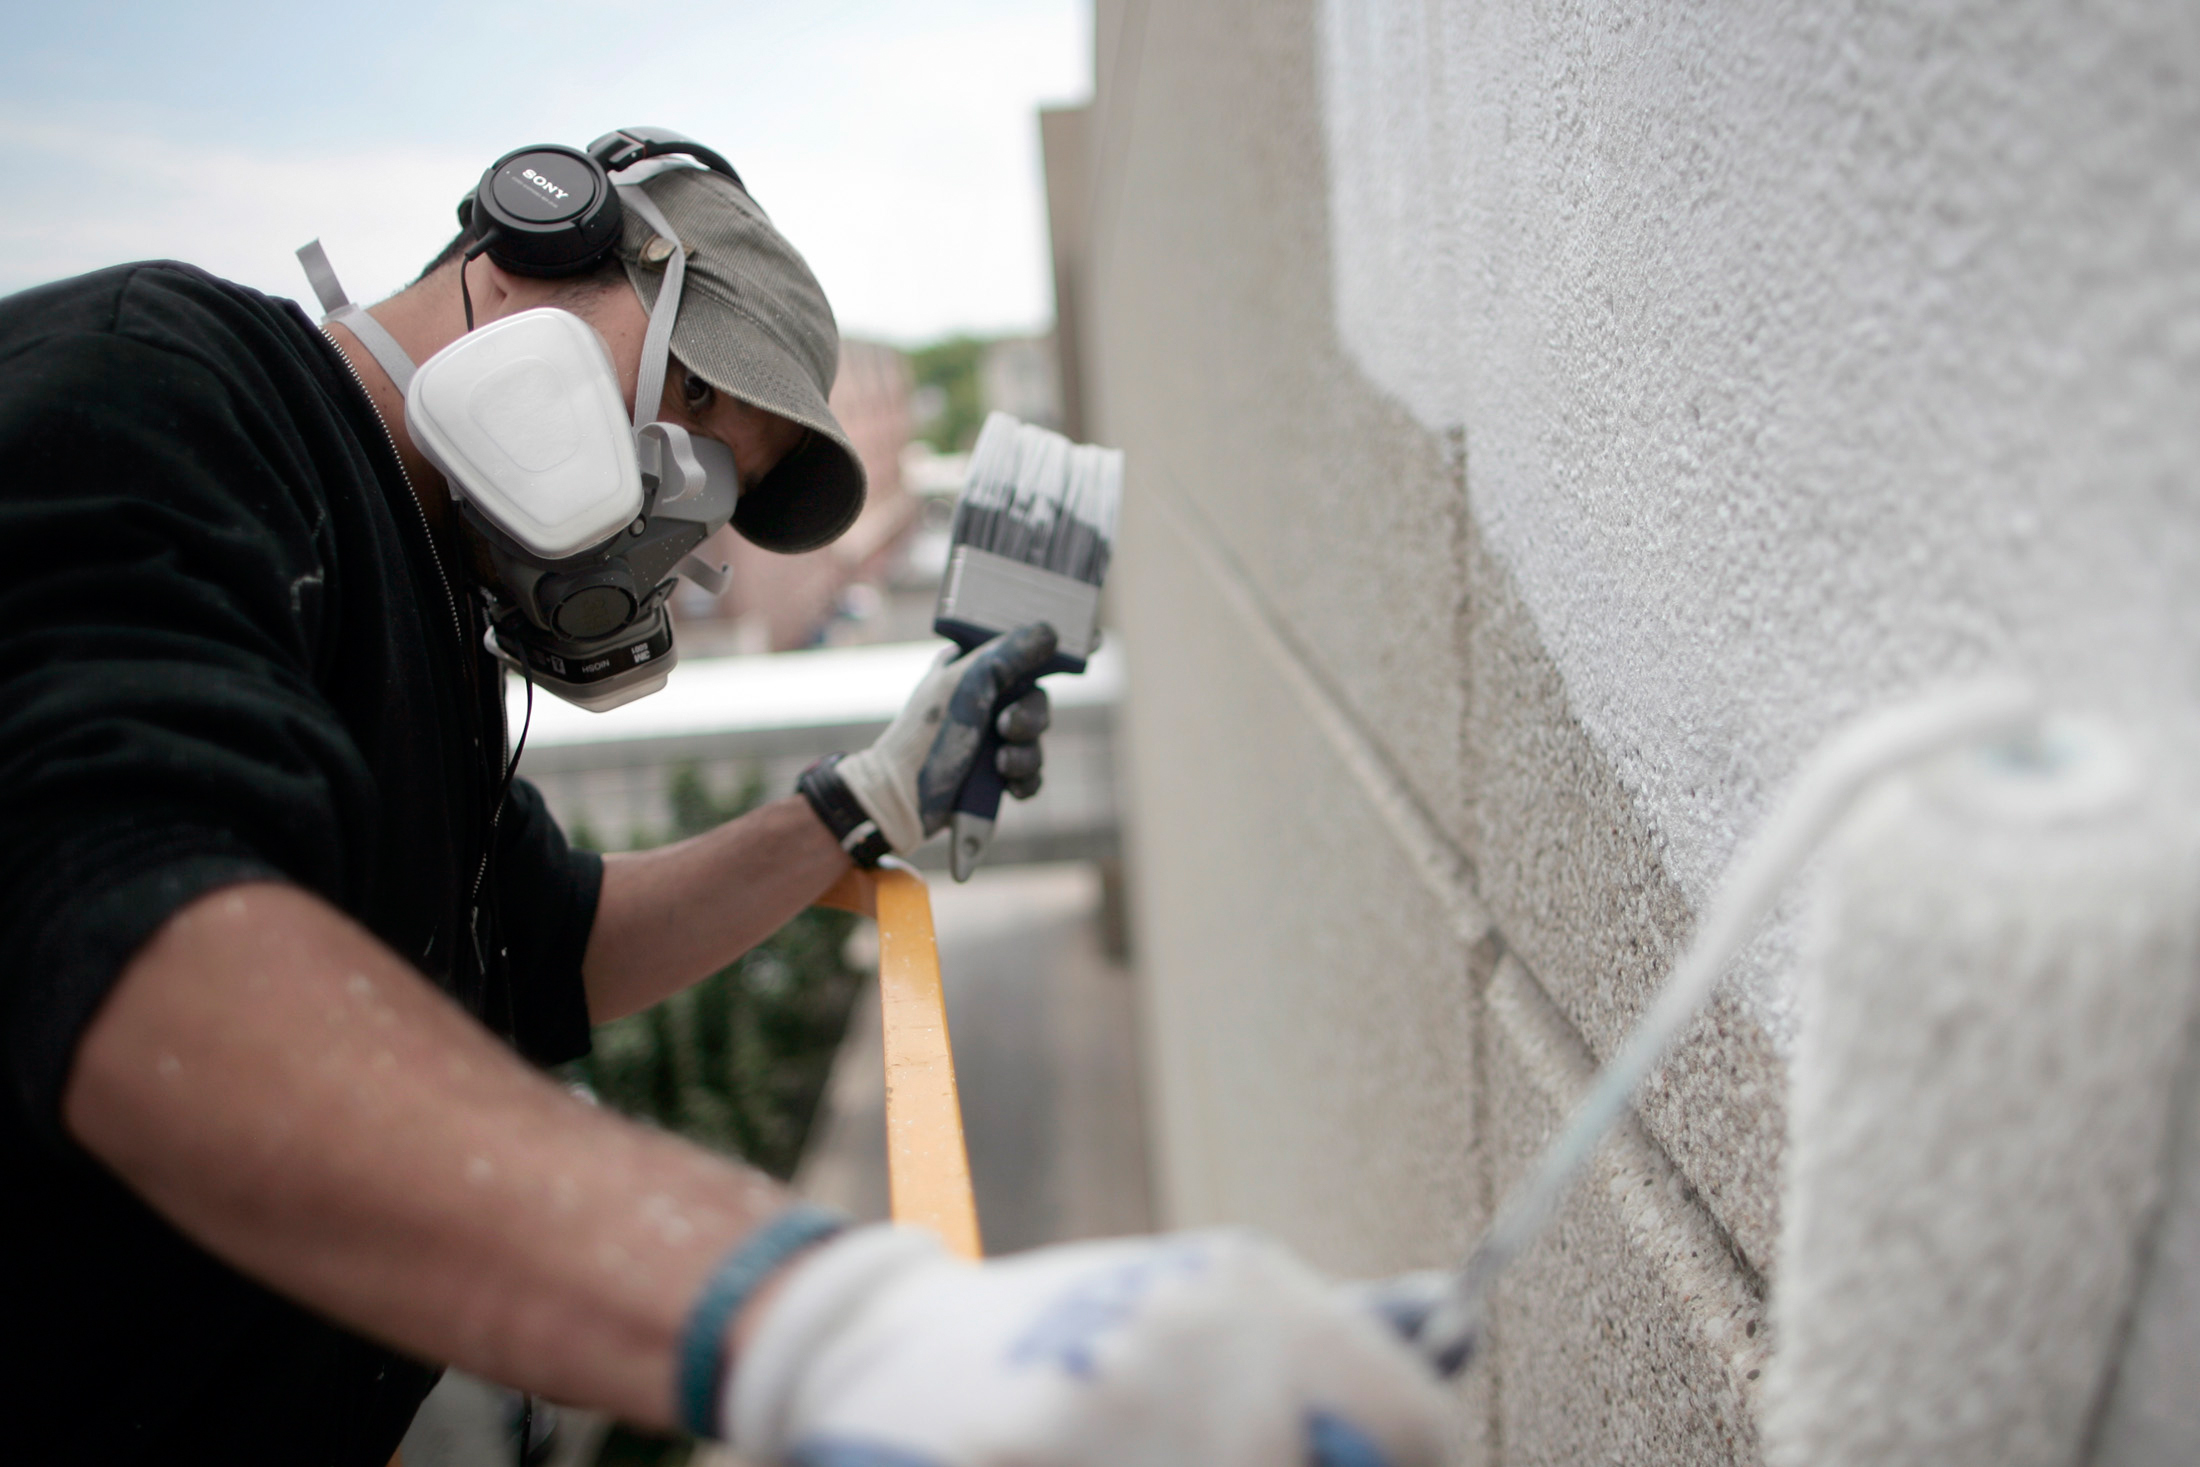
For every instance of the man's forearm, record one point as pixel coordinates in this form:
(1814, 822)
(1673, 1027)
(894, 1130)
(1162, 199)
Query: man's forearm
(673, 915)
(303, 1104)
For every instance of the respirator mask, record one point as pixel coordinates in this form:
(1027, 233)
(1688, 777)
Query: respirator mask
(587, 519)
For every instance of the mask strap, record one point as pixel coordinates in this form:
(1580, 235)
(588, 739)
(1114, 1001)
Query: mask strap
(649, 388)
(371, 333)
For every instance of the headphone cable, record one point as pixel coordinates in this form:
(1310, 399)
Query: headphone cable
(496, 819)
(466, 298)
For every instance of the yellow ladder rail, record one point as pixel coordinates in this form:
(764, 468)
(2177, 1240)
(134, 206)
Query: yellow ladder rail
(927, 1164)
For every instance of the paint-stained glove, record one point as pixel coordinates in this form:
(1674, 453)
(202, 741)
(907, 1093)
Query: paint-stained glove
(903, 787)
(1213, 1348)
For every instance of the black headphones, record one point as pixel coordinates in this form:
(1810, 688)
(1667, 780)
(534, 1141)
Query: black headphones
(550, 210)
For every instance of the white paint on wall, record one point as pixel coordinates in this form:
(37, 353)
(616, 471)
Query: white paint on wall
(1394, 241)
(1807, 354)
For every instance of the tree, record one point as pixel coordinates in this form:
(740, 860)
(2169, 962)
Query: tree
(949, 393)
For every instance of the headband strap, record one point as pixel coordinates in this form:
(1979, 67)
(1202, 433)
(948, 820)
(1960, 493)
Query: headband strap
(649, 387)
(371, 333)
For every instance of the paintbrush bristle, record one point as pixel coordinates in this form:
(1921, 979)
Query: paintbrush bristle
(1031, 539)
(1033, 496)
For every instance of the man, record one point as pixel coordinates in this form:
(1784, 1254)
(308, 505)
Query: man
(284, 939)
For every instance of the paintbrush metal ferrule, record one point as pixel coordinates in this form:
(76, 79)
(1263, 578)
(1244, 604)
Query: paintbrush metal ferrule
(984, 595)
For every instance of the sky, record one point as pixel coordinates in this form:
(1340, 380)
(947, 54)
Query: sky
(894, 141)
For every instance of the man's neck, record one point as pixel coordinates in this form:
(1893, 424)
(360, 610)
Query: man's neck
(424, 319)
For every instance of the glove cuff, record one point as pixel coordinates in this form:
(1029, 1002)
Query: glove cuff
(820, 1295)
(727, 1291)
(886, 790)
(842, 813)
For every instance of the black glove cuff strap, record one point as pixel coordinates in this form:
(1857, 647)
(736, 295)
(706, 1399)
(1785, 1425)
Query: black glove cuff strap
(850, 824)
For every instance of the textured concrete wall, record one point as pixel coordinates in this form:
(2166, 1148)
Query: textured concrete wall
(1546, 422)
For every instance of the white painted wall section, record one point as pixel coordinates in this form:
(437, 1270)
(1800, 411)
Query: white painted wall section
(1806, 354)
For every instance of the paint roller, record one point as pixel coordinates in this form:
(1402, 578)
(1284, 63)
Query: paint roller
(1444, 1315)
(1994, 1005)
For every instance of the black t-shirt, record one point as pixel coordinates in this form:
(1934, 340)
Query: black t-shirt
(228, 651)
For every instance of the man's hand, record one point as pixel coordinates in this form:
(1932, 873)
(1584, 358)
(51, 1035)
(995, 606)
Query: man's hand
(1217, 1348)
(908, 780)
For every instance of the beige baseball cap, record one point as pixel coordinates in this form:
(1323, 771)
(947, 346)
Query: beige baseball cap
(754, 323)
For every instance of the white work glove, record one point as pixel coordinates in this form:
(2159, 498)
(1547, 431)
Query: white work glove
(908, 780)
(1217, 1349)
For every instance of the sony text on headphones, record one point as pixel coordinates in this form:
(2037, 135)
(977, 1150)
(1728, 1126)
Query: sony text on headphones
(551, 210)
(588, 519)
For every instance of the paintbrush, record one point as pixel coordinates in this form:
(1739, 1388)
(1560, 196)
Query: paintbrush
(1030, 542)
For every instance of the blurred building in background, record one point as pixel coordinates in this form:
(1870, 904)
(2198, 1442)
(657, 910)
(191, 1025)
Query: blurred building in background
(784, 601)
(1019, 375)
(780, 602)
(1544, 423)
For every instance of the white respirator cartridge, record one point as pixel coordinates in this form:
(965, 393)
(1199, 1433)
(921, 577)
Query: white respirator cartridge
(523, 417)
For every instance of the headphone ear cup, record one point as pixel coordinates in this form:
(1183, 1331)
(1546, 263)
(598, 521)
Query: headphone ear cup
(545, 210)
